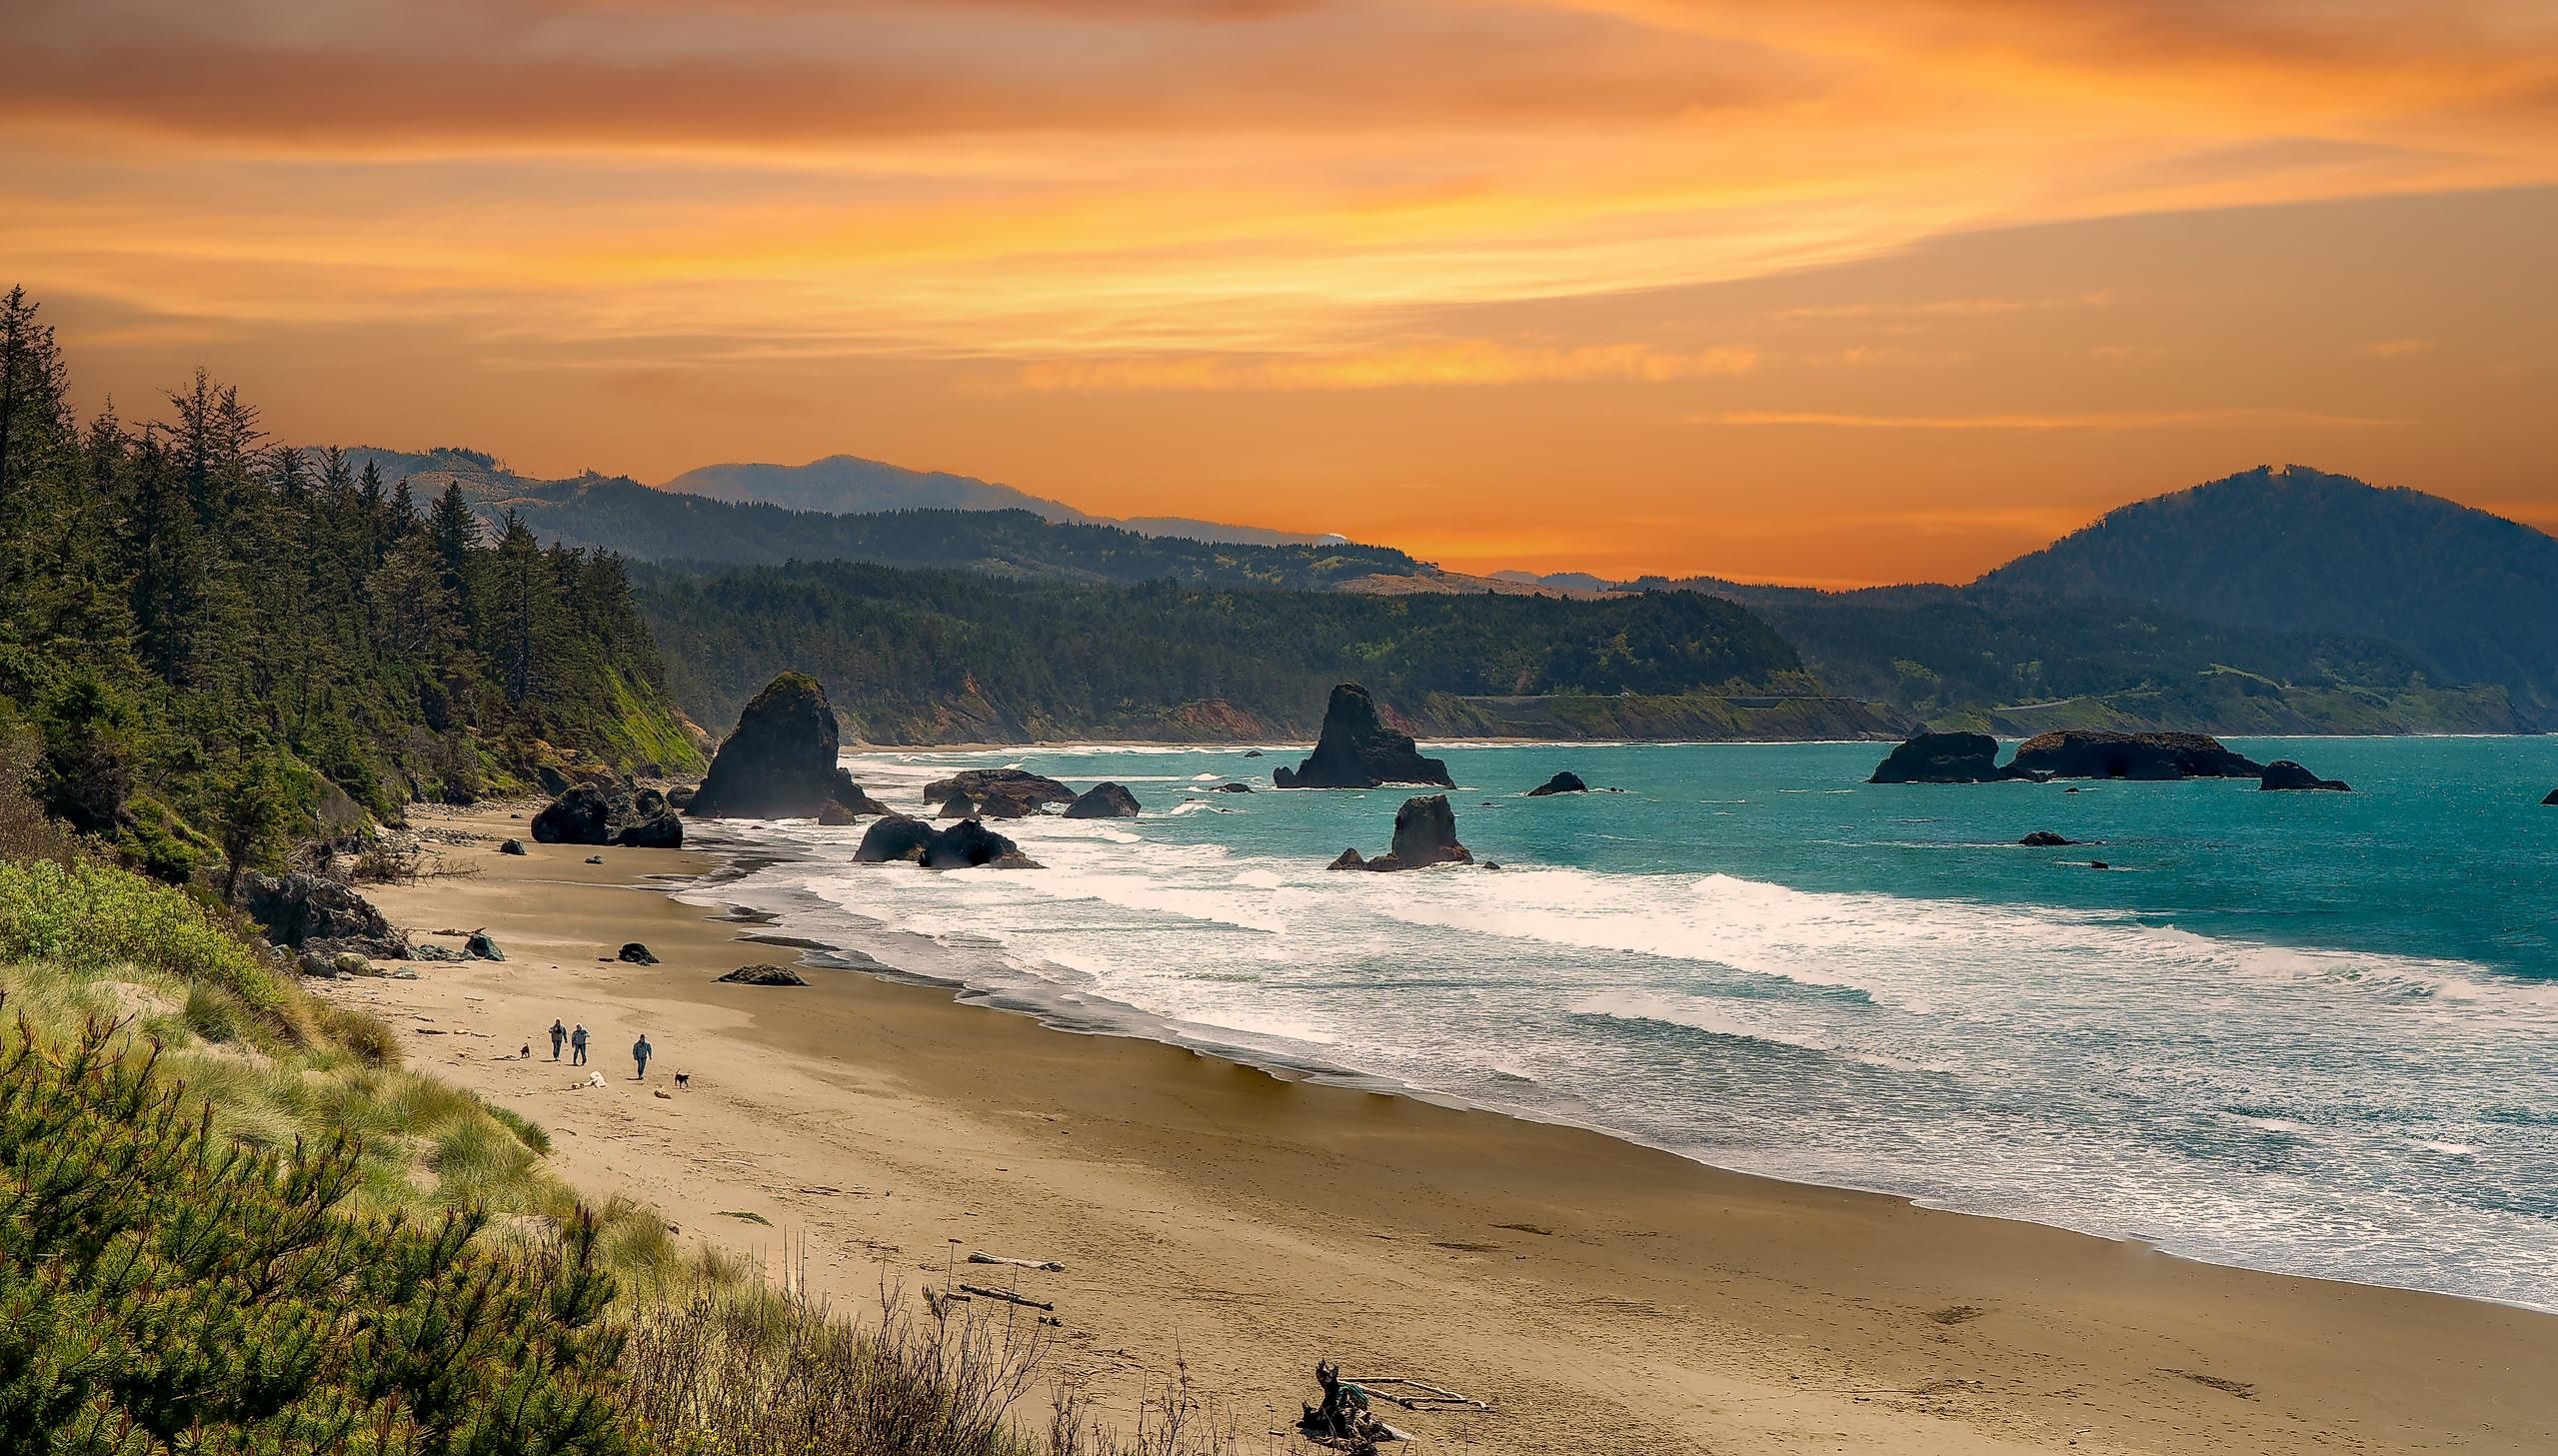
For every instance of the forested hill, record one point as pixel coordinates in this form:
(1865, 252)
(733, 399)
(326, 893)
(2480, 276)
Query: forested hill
(207, 645)
(944, 657)
(651, 525)
(2472, 597)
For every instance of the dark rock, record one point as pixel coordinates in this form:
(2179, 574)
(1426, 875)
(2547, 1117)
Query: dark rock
(2098, 864)
(513, 847)
(300, 908)
(582, 815)
(2551, 800)
(1564, 783)
(2284, 773)
(664, 832)
(636, 954)
(894, 838)
(765, 975)
(1251, 752)
(1349, 859)
(780, 763)
(1004, 793)
(1103, 802)
(2086, 753)
(1424, 834)
(956, 806)
(648, 804)
(680, 797)
(835, 815)
(969, 844)
(2045, 840)
(1358, 750)
(1944, 758)
(595, 859)
(481, 947)
(1232, 788)
(429, 950)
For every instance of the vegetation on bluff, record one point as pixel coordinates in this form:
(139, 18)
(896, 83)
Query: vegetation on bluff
(210, 644)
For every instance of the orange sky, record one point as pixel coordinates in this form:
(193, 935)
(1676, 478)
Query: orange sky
(1827, 292)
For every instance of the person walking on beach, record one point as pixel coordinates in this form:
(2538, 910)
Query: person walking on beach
(559, 1034)
(577, 1045)
(640, 1050)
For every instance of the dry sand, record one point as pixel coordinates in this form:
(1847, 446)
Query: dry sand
(1606, 1297)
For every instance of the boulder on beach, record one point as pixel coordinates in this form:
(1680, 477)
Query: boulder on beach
(1944, 758)
(582, 815)
(1002, 794)
(892, 839)
(659, 832)
(298, 910)
(1357, 749)
(2283, 774)
(513, 847)
(2091, 753)
(1566, 782)
(635, 953)
(1424, 834)
(969, 844)
(481, 947)
(765, 975)
(2045, 840)
(1104, 801)
(680, 797)
(648, 804)
(780, 761)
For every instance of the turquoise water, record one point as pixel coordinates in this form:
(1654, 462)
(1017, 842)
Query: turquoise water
(2301, 1032)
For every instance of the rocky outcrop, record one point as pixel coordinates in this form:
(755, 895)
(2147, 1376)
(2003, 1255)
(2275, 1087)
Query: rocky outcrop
(481, 947)
(1424, 834)
(2284, 773)
(680, 797)
(969, 844)
(663, 830)
(780, 763)
(305, 909)
(1357, 749)
(1944, 758)
(1566, 782)
(2552, 801)
(2087, 754)
(2045, 840)
(582, 815)
(1104, 801)
(765, 975)
(892, 838)
(1232, 788)
(1003, 793)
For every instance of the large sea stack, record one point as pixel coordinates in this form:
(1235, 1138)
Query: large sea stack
(2084, 753)
(1944, 758)
(1358, 750)
(780, 763)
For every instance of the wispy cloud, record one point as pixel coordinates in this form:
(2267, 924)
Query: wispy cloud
(2089, 420)
(1456, 364)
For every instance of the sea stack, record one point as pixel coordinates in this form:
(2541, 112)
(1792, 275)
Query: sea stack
(1566, 782)
(2083, 753)
(1944, 758)
(1424, 834)
(1103, 802)
(1357, 749)
(780, 763)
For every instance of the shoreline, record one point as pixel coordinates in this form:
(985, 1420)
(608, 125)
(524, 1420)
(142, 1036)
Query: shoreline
(1771, 1311)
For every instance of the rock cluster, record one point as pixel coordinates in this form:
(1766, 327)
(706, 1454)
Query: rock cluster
(1357, 749)
(1944, 758)
(780, 761)
(1003, 793)
(2091, 753)
(614, 814)
(967, 845)
(328, 916)
(1104, 801)
(1424, 834)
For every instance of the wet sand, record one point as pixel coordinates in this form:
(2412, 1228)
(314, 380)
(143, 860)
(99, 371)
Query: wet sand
(1604, 1297)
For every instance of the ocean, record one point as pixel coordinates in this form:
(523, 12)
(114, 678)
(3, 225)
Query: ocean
(2309, 1032)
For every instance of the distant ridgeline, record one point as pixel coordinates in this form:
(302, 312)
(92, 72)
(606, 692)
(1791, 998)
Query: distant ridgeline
(947, 657)
(208, 643)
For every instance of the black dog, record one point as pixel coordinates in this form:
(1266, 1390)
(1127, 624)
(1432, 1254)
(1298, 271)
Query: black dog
(684, 1079)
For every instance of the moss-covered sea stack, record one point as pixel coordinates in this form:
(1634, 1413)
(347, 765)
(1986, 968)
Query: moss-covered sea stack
(779, 763)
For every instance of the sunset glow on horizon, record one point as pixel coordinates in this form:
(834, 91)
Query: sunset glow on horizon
(1829, 293)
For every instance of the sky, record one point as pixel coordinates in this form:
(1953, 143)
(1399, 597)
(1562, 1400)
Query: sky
(1825, 292)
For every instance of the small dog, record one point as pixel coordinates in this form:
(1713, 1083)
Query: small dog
(684, 1079)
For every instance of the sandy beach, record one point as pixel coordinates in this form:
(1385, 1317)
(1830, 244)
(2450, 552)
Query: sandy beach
(1602, 1297)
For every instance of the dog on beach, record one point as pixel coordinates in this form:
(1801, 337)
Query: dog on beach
(684, 1079)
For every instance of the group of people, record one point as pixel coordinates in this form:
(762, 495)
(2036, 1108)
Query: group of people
(577, 1042)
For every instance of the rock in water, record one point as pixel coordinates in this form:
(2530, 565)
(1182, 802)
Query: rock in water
(969, 844)
(849, 796)
(1944, 758)
(1232, 788)
(892, 839)
(2085, 753)
(582, 815)
(765, 975)
(2045, 840)
(1349, 859)
(661, 831)
(780, 763)
(636, 954)
(1103, 802)
(1424, 834)
(1004, 793)
(2284, 773)
(2551, 800)
(1566, 782)
(1358, 750)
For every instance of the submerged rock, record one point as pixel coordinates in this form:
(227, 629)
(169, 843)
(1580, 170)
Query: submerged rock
(2045, 840)
(780, 761)
(1944, 758)
(2087, 754)
(1104, 801)
(765, 975)
(2284, 773)
(1004, 793)
(1232, 788)
(969, 844)
(892, 839)
(1566, 782)
(1357, 749)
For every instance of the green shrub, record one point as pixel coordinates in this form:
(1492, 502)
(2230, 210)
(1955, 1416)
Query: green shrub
(92, 917)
